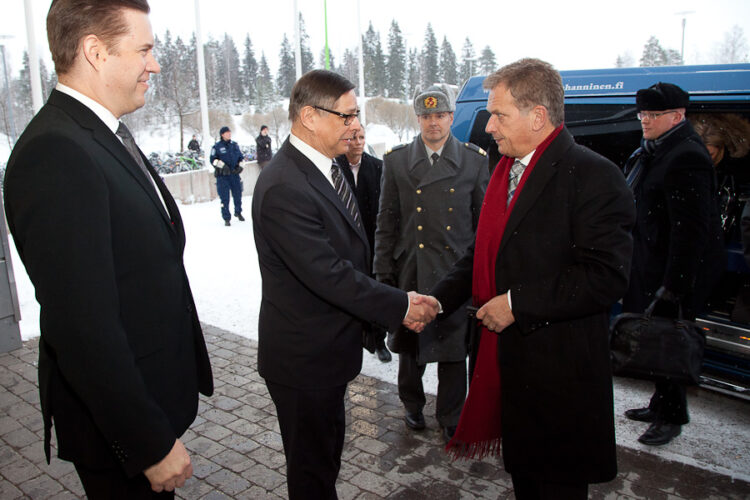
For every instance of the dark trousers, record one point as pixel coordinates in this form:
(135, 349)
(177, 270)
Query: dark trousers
(312, 423)
(224, 185)
(526, 488)
(113, 484)
(451, 391)
(670, 403)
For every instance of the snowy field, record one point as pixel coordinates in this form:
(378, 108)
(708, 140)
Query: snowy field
(222, 266)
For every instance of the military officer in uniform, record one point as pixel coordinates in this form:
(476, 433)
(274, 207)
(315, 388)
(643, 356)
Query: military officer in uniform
(431, 196)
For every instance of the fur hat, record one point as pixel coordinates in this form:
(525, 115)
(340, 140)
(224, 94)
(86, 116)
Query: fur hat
(224, 129)
(661, 96)
(437, 98)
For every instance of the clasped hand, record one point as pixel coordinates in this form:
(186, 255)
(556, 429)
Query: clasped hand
(172, 471)
(422, 310)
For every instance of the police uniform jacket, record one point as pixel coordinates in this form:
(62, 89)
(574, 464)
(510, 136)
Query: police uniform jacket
(427, 219)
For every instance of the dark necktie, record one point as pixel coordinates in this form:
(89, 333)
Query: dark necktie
(435, 158)
(127, 139)
(516, 171)
(345, 193)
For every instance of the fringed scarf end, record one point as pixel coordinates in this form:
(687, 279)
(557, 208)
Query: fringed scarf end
(475, 451)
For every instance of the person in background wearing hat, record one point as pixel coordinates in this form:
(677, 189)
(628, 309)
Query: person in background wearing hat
(194, 145)
(226, 157)
(678, 251)
(263, 153)
(432, 191)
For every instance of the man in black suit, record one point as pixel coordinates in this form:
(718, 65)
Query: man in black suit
(314, 260)
(121, 355)
(551, 256)
(363, 172)
(678, 252)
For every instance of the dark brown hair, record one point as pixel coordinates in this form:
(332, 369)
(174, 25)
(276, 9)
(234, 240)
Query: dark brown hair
(69, 21)
(532, 82)
(317, 88)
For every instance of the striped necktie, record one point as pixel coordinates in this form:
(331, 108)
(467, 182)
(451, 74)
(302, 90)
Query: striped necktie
(345, 193)
(514, 176)
(127, 139)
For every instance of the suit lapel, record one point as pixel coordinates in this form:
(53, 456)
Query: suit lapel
(543, 172)
(109, 141)
(318, 181)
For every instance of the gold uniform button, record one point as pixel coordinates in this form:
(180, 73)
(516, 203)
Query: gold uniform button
(447, 228)
(419, 191)
(419, 209)
(450, 209)
(421, 245)
(453, 190)
(419, 228)
(447, 247)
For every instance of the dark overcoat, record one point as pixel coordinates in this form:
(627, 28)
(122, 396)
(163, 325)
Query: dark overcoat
(366, 190)
(121, 354)
(565, 257)
(677, 236)
(427, 219)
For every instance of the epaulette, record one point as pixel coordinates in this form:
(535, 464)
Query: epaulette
(476, 148)
(396, 148)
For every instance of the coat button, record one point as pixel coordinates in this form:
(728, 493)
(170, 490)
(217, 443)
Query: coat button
(447, 247)
(453, 190)
(419, 191)
(421, 245)
(450, 209)
(419, 209)
(419, 228)
(447, 228)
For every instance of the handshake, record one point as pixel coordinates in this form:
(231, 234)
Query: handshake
(422, 310)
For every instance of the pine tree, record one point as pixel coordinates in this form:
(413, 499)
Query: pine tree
(232, 71)
(287, 74)
(448, 64)
(264, 87)
(487, 62)
(331, 62)
(468, 61)
(308, 61)
(374, 63)
(249, 72)
(430, 65)
(349, 67)
(214, 83)
(415, 77)
(396, 63)
(653, 53)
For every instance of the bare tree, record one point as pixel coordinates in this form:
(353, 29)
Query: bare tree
(733, 49)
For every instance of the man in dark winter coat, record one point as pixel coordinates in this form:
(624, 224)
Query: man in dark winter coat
(678, 251)
(194, 145)
(226, 157)
(551, 256)
(363, 172)
(429, 207)
(263, 151)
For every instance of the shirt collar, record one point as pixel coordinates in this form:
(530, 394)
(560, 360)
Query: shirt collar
(321, 161)
(526, 159)
(103, 113)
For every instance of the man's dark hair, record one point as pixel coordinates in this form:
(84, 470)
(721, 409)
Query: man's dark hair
(69, 21)
(317, 88)
(532, 82)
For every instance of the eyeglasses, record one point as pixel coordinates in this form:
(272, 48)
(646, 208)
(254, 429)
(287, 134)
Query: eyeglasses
(652, 116)
(348, 119)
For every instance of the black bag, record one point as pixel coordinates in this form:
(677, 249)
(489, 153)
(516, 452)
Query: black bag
(653, 348)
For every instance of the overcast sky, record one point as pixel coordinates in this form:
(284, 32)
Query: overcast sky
(571, 35)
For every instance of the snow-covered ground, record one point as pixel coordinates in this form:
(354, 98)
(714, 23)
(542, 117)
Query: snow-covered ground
(222, 265)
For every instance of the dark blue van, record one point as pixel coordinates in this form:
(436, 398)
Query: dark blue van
(600, 112)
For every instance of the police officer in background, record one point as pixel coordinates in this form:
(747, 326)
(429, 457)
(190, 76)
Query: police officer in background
(432, 193)
(226, 157)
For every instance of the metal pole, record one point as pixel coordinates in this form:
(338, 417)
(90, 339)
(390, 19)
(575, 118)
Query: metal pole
(325, 27)
(682, 46)
(297, 43)
(362, 101)
(36, 79)
(11, 121)
(202, 86)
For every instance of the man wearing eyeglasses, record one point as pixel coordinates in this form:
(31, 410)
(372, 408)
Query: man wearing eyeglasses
(314, 260)
(431, 196)
(678, 250)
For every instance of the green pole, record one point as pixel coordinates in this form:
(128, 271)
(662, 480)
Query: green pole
(325, 22)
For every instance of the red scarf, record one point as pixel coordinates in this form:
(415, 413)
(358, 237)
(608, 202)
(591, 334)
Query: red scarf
(479, 428)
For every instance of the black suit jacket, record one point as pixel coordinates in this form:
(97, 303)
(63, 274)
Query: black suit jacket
(366, 190)
(317, 290)
(565, 257)
(121, 355)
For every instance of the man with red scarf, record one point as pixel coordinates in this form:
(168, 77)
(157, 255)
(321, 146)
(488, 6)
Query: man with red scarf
(552, 254)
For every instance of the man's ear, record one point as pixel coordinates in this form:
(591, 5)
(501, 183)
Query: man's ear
(94, 51)
(308, 117)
